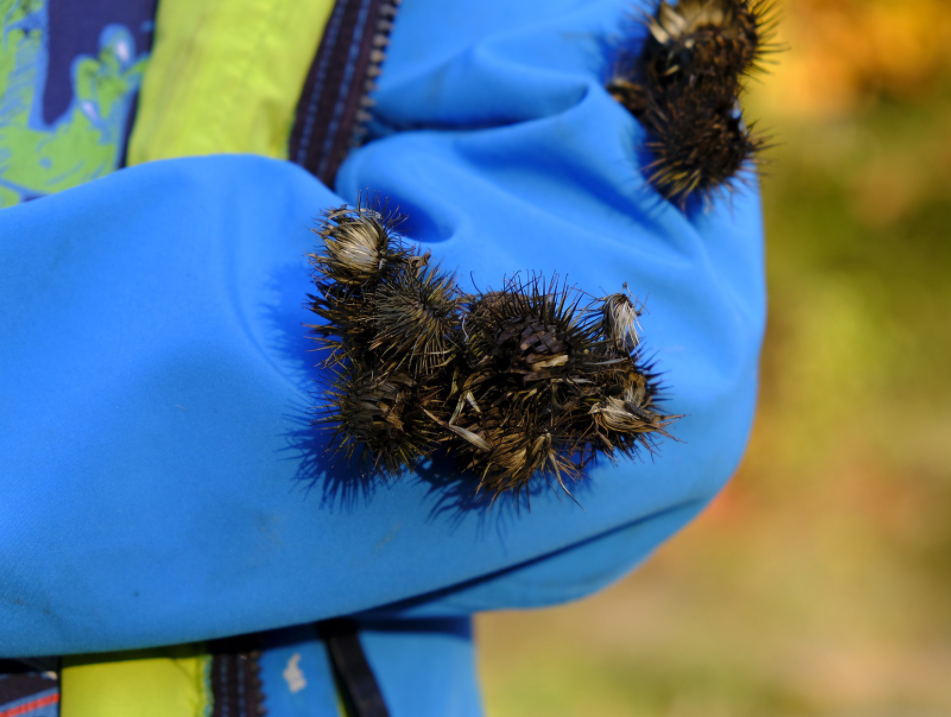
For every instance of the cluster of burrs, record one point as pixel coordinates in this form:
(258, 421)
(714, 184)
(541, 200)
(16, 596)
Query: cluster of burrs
(684, 85)
(536, 379)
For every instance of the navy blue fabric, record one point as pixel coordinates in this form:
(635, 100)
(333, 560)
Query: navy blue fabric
(29, 690)
(70, 78)
(75, 28)
(160, 483)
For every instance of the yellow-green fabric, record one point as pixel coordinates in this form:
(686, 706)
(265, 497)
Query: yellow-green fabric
(225, 76)
(163, 682)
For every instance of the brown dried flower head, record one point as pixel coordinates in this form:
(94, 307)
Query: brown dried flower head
(356, 244)
(415, 318)
(532, 381)
(684, 85)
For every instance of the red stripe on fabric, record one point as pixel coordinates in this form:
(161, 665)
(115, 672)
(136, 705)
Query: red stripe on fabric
(30, 706)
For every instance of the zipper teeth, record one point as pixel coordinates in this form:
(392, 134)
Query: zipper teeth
(386, 17)
(255, 686)
(236, 686)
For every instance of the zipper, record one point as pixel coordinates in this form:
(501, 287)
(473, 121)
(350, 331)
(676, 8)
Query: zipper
(381, 40)
(336, 107)
(235, 677)
(237, 690)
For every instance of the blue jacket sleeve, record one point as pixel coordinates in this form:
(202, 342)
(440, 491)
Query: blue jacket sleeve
(159, 481)
(499, 140)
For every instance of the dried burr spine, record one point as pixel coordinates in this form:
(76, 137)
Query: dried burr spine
(684, 85)
(387, 332)
(415, 315)
(532, 381)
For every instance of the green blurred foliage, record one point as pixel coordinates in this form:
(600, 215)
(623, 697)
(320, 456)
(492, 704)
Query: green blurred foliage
(818, 583)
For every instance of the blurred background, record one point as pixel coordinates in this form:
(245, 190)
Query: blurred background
(818, 582)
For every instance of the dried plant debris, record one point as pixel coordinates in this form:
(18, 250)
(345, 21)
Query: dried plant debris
(380, 412)
(535, 380)
(415, 319)
(684, 85)
(389, 331)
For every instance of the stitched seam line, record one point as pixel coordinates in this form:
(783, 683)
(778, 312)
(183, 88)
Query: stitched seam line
(344, 86)
(320, 78)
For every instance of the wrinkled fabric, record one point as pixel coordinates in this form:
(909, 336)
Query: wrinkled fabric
(504, 110)
(161, 483)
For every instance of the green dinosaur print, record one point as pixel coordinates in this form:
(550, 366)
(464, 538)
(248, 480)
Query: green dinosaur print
(86, 141)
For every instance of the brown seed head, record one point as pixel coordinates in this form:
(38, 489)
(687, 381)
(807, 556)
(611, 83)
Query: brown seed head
(684, 87)
(698, 151)
(358, 244)
(378, 419)
(415, 317)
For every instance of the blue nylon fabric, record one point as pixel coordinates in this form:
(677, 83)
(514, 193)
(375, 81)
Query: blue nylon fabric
(158, 485)
(562, 576)
(503, 109)
(423, 667)
(296, 677)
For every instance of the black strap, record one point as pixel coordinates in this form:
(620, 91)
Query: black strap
(358, 687)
